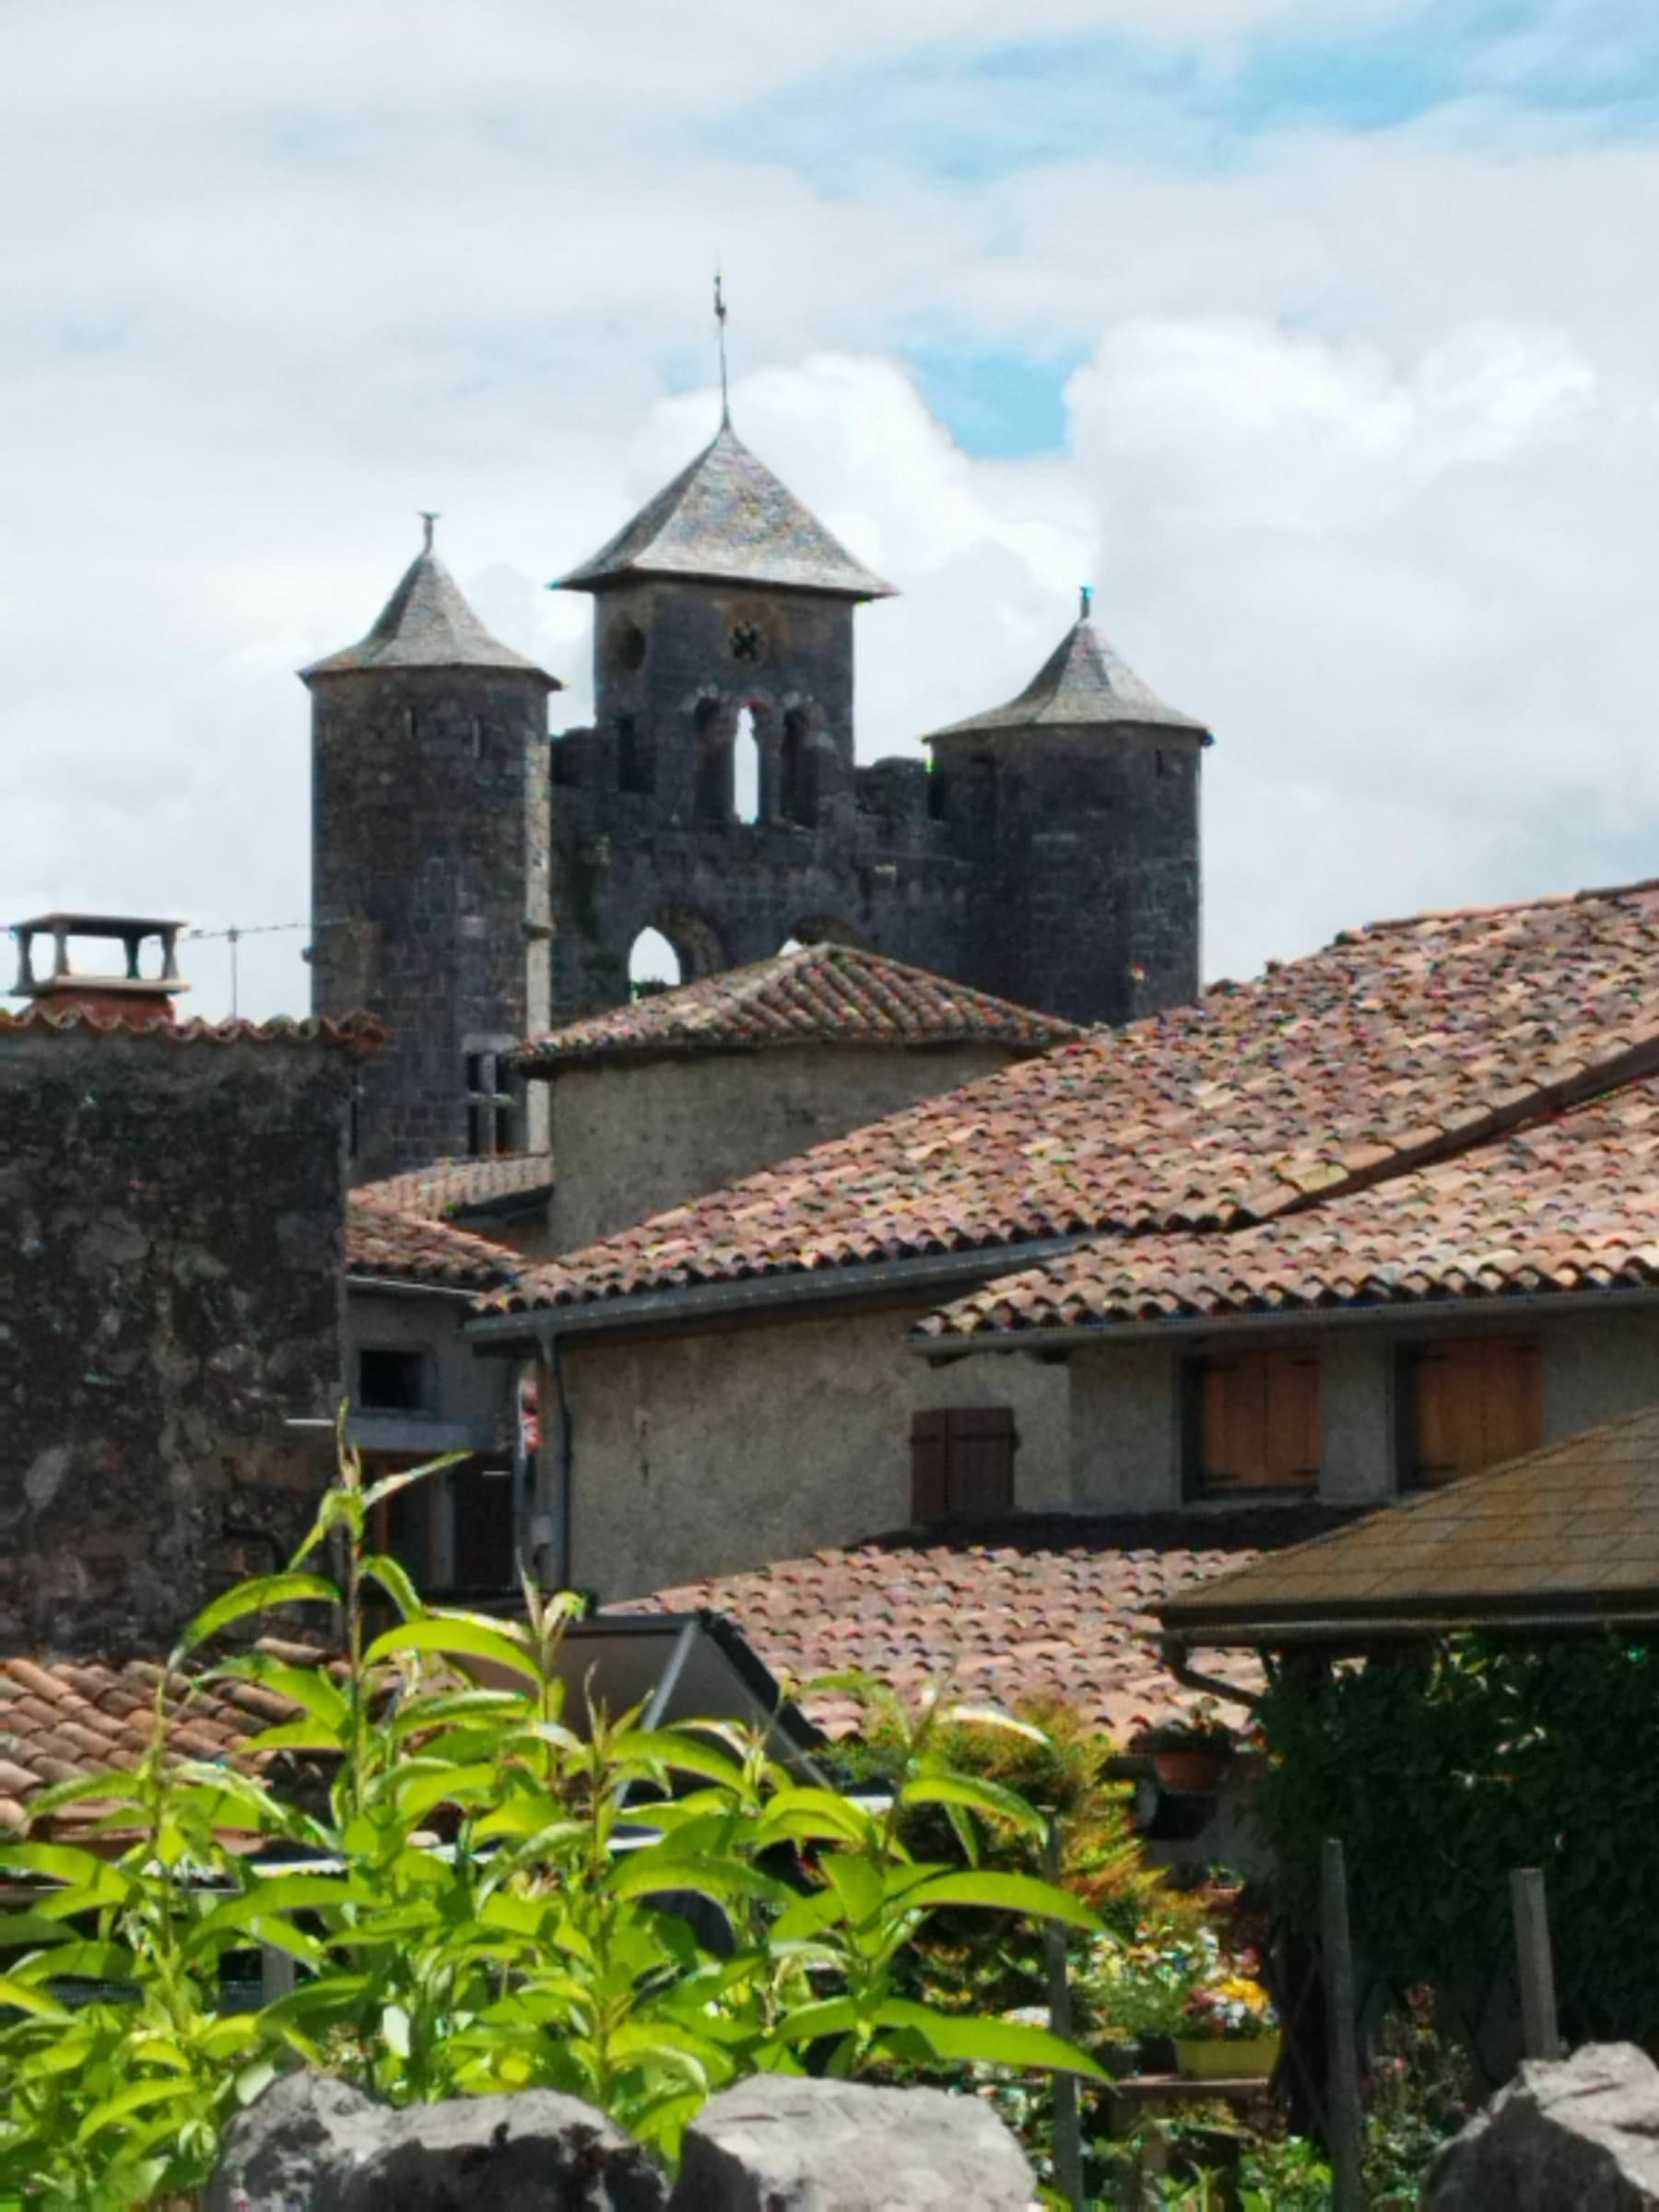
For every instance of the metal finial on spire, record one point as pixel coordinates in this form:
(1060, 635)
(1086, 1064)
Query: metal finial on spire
(428, 516)
(720, 323)
(1086, 600)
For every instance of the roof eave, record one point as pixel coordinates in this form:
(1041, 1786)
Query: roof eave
(1072, 1336)
(604, 580)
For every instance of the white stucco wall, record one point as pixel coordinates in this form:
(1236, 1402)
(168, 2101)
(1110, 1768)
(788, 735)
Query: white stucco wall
(1125, 1408)
(632, 1138)
(701, 1454)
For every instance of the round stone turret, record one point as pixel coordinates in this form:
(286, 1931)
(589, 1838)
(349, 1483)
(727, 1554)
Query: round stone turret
(429, 902)
(1078, 803)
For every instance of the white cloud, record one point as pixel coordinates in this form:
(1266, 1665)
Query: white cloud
(1363, 455)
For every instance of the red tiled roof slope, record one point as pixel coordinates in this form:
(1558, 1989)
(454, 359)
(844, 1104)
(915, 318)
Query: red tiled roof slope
(1569, 1203)
(61, 1720)
(1394, 1044)
(1043, 1607)
(360, 1030)
(401, 1247)
(815, 994)
(447, 1187)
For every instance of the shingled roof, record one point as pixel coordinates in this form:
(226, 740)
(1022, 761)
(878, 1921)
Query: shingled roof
(1395, 1045)
(401, 1247)
(62, 1720)
(1565, 1204)
(1031, 1609)
(1085, 683)
(427, 623)
(448, 1190)
(728, 518)
(1568, 1535)
(815, 995)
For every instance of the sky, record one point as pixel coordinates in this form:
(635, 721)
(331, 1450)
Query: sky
(1320, 337)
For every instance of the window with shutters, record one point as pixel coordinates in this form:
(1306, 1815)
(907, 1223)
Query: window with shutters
(1255, 1422)
(1466, 1405)
(962, 1463)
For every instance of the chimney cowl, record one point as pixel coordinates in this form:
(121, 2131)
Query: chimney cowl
(124, 993)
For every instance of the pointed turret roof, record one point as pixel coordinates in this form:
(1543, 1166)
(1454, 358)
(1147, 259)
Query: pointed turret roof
(728, 518)
(1084, 682)
(427, 624)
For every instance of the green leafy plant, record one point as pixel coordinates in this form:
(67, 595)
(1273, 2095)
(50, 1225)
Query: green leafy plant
(480, 1899)
(1444, 1774)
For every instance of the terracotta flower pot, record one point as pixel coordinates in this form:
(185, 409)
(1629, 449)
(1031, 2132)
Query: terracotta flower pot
(1217, 2058)
(1192, 1773)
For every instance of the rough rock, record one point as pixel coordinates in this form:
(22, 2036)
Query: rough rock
(311, 2144)
(1581, 2132)
(781, 2143)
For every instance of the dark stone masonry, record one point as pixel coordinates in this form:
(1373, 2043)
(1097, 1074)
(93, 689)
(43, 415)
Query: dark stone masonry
(175, 1212)
(476, 882)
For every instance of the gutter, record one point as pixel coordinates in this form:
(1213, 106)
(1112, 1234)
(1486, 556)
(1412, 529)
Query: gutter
(768, 1293)
(1302, 1318)
(1223, 1634)
(397, 1287)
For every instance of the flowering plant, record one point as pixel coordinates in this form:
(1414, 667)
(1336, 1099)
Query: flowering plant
(1228, 2006)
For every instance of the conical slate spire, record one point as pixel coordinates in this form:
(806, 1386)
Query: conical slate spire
(1084, 682)
(427, 624)
(727, 518)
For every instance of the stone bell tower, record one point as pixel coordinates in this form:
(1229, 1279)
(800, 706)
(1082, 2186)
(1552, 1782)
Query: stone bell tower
(722, 617)
(429, 843)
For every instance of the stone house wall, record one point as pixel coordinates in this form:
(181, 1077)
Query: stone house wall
(633, 1137)
(700, 1454)
(170, 1298)
(1127, 1398)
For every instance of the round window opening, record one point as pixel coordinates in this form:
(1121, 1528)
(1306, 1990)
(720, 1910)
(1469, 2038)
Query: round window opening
(627, 645)
(748, 641)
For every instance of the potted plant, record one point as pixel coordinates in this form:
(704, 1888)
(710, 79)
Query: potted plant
(1228, 2028)
(1190, 1751)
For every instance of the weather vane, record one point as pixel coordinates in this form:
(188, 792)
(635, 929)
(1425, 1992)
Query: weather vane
(720, 323)
(428, 516)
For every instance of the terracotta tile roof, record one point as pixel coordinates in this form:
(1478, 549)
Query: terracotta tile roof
(1042, 1605)
(1570, 1202)
(726, 515)
(62, 1719)
(1083, 684)
(447, 1189)
(815, 994)
(1568, 1533)
(359, 1031)
(1396, 1044)
(402, 1248)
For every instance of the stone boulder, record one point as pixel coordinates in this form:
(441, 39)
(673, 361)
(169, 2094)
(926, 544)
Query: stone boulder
(311, 2144)
(1581, 2132)
(779, 2143)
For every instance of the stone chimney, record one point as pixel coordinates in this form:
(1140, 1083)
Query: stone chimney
(122, 992)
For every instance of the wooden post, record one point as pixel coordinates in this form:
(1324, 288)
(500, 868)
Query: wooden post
(1343, 2067)
(1068, 2134)
(1540, 2036)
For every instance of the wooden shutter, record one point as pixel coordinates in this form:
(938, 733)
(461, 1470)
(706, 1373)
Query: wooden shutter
(962, 1463)
(930, 1466)
(1472, 1405)
(483, 1529)
(1259, 1421)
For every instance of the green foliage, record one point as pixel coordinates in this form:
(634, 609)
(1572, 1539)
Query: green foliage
(1440, 1779)
(486, 1900)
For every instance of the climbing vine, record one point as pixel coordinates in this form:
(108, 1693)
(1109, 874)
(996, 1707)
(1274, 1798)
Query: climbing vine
(1443, 1774)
